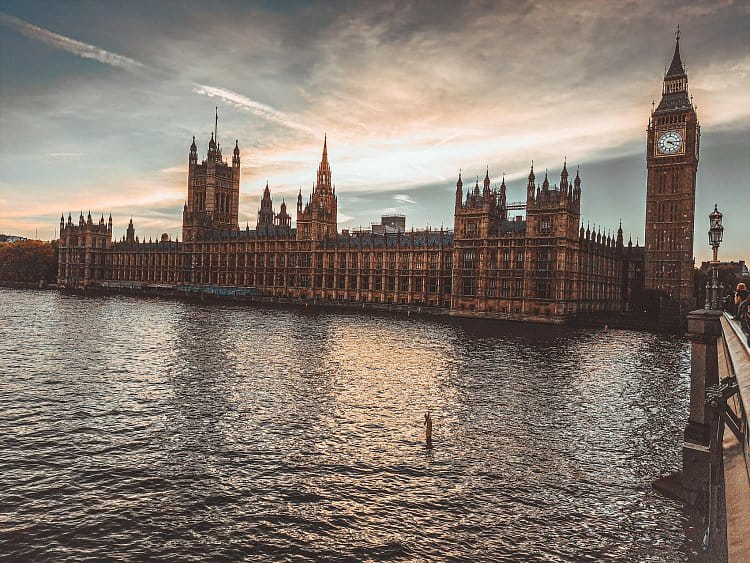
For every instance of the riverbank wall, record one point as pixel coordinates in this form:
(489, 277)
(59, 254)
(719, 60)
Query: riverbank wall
(216, 294)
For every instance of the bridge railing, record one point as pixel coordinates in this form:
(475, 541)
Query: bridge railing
(734, 364)
(715, 463)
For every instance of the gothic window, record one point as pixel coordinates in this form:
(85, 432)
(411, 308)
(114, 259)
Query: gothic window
(471, 229)
(469, 258)
(542, 289)
(546, 226)
(504, 285)
(543, 259)
(468, 286)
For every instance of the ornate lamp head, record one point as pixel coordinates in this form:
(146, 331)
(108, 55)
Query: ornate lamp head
(716, 232)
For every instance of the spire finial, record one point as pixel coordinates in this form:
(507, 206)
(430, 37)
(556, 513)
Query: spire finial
(677, 33)
(216, 124)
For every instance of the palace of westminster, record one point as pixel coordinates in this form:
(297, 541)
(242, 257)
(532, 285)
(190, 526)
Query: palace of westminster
(544, 266)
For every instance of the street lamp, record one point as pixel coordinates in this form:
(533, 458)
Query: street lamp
(715, 236)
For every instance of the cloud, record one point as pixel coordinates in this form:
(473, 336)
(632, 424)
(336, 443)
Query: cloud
(407, 97)
(88, 51)
(173, 170)
(403, 198)
(78, 48)
(243, 102)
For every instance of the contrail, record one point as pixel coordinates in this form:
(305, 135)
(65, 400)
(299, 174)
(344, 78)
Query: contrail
(88, 51)
(79, 48)
(262, 110)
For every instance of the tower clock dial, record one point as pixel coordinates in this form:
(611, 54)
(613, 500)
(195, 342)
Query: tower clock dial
(669, 142)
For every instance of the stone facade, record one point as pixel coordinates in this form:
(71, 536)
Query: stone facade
(672, 151)
(544, 266)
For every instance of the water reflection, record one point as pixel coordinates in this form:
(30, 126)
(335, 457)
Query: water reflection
(155, 429)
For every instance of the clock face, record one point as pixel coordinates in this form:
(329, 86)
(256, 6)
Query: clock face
(670, 142)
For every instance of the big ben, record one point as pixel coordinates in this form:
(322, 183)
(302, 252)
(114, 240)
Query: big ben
(672, 163)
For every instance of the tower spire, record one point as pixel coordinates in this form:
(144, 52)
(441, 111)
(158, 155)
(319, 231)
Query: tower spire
(676, 68)
(216, 125)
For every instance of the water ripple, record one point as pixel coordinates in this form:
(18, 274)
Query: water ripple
(146, 429)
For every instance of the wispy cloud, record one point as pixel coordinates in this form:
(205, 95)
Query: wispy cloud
(65, 154)
(243, 102)
(79, 48)
(88, 51)
(403, 198)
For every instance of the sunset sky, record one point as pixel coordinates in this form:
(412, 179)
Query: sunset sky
(99, 102)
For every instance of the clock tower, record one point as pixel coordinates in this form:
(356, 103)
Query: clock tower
(673, 137)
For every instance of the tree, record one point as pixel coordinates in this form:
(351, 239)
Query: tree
(28, 261)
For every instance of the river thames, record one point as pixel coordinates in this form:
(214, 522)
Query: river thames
(142, 429)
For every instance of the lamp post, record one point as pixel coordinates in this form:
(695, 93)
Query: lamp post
(715, 235)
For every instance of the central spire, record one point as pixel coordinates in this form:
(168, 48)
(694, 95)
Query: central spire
(216, 125)
(324, 170)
